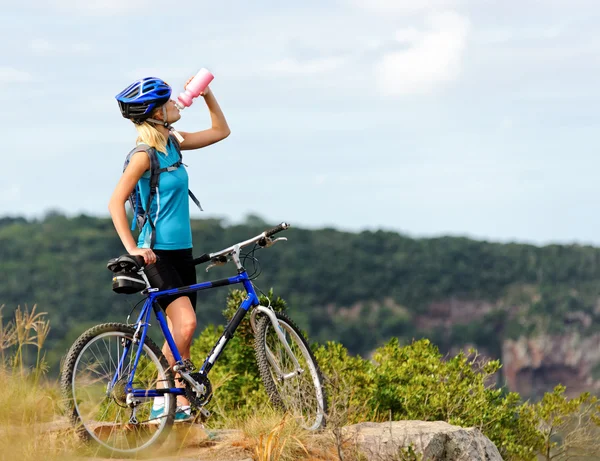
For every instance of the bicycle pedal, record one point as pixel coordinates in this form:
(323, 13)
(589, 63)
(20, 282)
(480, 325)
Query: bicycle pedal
(188, 365)
(204, 413)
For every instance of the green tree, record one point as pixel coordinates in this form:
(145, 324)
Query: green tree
(570, 428)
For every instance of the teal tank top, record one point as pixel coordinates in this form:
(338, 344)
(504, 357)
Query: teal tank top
(170, 207)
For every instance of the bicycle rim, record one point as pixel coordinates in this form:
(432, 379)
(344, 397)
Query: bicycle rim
(300, 390)
(101, 406)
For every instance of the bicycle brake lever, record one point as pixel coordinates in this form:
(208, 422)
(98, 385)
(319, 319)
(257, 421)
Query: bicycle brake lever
(209, 266)
(271, 242)
(216, 263)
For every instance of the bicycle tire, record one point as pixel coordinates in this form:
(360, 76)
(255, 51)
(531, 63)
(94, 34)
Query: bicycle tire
(67, 384)
(309, 403)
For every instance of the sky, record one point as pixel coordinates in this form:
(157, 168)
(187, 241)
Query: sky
(476, 118)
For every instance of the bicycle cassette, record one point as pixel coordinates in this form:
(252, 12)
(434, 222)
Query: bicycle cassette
(118, 392)
(199, 399)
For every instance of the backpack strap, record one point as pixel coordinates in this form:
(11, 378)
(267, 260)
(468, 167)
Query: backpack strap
(137, 217)
(155, 171)
(195, 200)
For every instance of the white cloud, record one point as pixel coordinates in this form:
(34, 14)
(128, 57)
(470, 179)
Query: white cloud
(430, 58)
(44, 47)
(174, 76)
(10, 193)
(408, 35)
(506, 123)
(402, 7)
(81, 48)
(41, 46)
(12, 75)
(292, 66)
(100, 7)
(319, 179)
(519, 35)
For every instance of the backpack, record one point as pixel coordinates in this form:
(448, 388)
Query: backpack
(140, 217)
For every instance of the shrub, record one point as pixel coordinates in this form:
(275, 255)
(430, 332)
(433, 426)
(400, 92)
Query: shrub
(411, 382)
(234, 377)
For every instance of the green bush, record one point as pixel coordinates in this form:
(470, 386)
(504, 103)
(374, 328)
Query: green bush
(570, 428)
(234, 377)
(412, 382)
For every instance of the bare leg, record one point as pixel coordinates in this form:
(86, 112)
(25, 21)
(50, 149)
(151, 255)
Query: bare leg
(182, 325)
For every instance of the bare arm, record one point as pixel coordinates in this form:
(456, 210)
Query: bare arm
(116, 206)
(219, 130)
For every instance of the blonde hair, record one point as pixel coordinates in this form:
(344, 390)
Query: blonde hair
(150, 136)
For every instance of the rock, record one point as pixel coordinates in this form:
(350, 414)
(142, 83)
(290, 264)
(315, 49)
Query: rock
(534, 365)
(436, 441)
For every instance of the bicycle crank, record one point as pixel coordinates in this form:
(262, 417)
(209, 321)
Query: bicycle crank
(201, 394)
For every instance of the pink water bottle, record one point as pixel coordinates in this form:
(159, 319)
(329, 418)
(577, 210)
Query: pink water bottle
(193, 89)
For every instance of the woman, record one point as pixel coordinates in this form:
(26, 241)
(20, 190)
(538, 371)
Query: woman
(147, 104)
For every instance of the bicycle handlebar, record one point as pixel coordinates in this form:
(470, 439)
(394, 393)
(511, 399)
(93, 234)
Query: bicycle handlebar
(261, 239)
(281, 227)
(202, 259)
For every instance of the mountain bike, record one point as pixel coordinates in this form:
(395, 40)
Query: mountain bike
(113, 372)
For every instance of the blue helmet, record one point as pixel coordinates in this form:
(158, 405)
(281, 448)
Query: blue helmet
(138, 100)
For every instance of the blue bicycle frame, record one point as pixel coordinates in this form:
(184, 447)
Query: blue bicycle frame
(143, 322)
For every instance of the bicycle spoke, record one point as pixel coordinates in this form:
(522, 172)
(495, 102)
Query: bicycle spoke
(293, 374)
(98, 361)
(103, 411)
(110, 356)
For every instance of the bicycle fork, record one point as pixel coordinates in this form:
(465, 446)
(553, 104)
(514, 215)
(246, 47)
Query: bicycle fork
(273, 318)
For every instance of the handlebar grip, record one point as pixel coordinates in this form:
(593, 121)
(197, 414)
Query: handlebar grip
(281, 227)
(202, 259)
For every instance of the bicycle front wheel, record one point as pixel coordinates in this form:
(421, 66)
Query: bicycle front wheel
(93, 381)
(290, 371)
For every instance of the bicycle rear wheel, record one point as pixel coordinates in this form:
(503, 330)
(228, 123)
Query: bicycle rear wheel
(95, 373)
(296, 389)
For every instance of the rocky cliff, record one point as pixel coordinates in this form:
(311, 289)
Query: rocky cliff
(531, 363)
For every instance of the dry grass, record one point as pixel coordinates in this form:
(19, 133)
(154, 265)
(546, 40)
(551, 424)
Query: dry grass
(29, 405)
(23, 398)
(34, 443)
(22, 402)
(32, 427)
(269, 436)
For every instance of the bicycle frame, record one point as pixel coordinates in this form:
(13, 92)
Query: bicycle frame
(143, 323)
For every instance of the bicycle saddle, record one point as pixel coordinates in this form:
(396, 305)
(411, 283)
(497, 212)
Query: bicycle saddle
(128, 263)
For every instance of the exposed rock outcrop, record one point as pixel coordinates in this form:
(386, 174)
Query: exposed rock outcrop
(534, 365)
(435, 441)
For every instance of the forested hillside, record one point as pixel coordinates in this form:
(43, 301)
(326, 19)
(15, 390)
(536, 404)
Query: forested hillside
(356, 288)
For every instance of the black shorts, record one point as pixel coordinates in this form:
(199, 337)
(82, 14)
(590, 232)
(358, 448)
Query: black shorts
(173, 269)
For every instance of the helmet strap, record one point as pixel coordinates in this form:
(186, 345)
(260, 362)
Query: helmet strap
(176, 134)
(163, 122)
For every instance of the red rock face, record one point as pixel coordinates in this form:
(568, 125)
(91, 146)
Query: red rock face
(533, 366)
(451, 312)
(530, 365)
